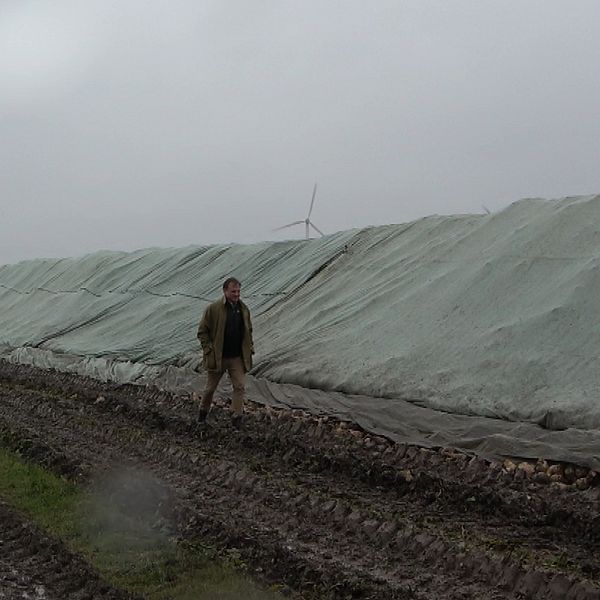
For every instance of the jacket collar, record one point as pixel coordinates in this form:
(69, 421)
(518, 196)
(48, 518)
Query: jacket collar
(224, 302)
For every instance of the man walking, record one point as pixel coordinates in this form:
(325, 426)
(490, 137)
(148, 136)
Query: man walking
(225, 333)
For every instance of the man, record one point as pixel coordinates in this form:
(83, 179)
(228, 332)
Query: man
(225, 333)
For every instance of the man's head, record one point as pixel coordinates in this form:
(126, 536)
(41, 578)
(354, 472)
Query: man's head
(231, 289)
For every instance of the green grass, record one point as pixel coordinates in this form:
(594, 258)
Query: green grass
(45, 498)
(127, 553)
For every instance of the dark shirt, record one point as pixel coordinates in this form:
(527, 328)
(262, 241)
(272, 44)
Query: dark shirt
(234, 331)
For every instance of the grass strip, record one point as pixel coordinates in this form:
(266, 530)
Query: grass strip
(127, 553)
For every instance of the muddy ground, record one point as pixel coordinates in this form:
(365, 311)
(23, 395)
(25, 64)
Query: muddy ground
(34, 566)
(326, 510)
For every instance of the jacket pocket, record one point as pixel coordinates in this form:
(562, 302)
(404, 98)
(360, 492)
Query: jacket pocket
(209, 360)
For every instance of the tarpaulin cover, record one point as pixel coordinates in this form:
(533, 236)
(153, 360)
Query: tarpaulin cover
(482, 330)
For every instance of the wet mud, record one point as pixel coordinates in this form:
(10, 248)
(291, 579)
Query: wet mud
(35, 566)
(316, 505)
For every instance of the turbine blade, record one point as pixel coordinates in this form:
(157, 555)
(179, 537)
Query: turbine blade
(288, 225)
(312, 202)
(315, 228)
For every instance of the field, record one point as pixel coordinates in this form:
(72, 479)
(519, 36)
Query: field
(144, 503)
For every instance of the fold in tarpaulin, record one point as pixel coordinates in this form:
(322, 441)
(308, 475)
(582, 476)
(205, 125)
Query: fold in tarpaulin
(490, 316)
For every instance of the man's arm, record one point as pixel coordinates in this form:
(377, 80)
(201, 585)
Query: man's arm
(250, 332)
(205, 329)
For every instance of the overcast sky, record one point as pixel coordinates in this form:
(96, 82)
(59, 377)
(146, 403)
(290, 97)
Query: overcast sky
(136, 123)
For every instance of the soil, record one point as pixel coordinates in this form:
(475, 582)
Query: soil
(34, 566)
(324, 509)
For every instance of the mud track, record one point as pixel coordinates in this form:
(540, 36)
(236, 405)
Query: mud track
(32, 565)
(324, 508)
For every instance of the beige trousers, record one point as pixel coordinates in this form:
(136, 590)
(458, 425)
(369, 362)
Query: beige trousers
(237, 374)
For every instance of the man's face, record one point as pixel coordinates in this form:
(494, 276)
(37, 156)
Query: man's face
(232, 292)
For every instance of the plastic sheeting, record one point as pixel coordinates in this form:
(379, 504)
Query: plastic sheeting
(145, 306)
(482, 315)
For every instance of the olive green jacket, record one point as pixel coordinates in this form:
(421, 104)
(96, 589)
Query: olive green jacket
(211, 333)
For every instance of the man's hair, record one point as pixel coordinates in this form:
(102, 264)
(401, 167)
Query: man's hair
(230, 280)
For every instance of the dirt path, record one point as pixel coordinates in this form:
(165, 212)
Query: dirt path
(328, 510)
(34, 566)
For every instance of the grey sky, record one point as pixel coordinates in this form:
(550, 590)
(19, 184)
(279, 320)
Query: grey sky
(147, 123)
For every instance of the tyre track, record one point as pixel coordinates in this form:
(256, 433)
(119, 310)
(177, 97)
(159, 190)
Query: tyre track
(33, 565)
(310, 504)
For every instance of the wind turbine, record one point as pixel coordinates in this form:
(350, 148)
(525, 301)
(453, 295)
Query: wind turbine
(307, 222)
